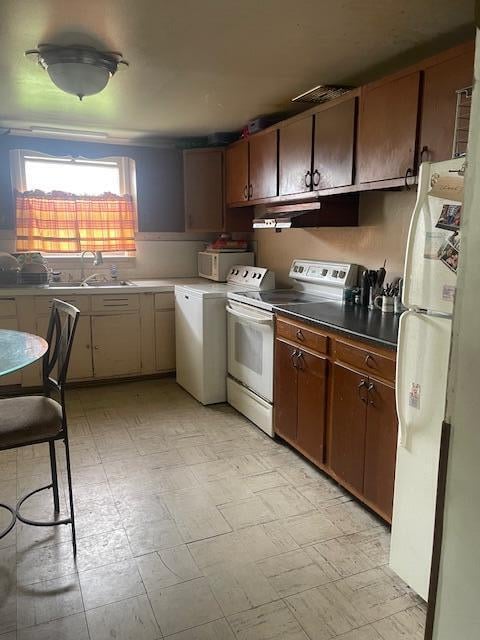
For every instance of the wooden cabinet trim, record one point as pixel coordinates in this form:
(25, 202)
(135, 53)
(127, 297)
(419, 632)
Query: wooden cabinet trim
(371, 362)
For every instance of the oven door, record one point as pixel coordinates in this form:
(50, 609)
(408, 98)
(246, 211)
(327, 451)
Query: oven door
(250, 347)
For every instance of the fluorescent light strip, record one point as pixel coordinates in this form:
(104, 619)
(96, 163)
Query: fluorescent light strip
(66, 132)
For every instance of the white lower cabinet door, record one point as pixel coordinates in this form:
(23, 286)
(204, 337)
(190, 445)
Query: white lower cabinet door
(14, 378)
(80, 366)
(116, 345)
(165, 340)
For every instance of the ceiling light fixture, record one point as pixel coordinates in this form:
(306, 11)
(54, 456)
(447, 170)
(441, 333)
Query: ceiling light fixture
(68, 133)
(78, 69)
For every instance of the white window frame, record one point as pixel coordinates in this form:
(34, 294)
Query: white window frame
(126, 168)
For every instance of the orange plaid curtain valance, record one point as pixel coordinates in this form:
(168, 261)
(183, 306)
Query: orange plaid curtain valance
(61, 222)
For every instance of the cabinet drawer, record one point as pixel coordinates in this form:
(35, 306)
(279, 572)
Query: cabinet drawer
(165, 300)
(43, 304)
(369, 361)
(8, 307)
(302, 336)
(115, 303)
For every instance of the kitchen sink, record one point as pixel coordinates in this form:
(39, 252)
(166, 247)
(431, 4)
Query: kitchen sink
(92, 284)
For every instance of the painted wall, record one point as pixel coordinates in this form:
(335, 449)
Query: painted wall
(457, 611)
(382, 233)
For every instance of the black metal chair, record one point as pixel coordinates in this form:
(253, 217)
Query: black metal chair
(29, 420)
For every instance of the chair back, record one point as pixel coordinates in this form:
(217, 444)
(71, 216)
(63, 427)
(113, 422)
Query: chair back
(60, 335)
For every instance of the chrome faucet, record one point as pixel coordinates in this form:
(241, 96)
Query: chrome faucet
(97, 260)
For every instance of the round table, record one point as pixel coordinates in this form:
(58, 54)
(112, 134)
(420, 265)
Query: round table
(19, 349)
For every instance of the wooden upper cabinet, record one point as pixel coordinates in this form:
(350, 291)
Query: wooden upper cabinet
(333, 146)
(348, 425)
(388, 128)
(285, 391)
(236, 158)
(263, 165)
(380, 446)
(312, 404)
(295, 156)
(203, 187)
(441, 81)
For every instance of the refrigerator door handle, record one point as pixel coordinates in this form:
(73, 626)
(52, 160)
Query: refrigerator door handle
(399, 392)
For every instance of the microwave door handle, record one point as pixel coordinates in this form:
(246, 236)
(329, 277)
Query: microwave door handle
(245, 316)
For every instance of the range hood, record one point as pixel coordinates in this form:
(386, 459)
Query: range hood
(332, 211)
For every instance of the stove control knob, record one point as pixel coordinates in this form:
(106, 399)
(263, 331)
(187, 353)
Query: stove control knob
(295, 268)
(334, 273)
(324, 272)
(245, 274)
(342, 274)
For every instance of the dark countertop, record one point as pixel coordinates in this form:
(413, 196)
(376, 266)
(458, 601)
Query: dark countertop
(352, 320)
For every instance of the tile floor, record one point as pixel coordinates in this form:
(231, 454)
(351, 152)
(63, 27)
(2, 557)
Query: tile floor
(193, 525)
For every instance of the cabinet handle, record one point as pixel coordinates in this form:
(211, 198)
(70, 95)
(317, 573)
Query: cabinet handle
(96, 347)
(250, 191)
(408, 174)
(370, 387)
(308, 179)
(300, 362)
(245, 192)
(316, 180)
(293, 355)
(369, 361)
(362, 384)
(300, 335)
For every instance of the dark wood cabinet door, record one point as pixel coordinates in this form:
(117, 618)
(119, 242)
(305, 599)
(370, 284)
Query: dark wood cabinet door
(388, 128)
(236, 159)
(348, 425)
(439, 104)
(263, 165)
(203, 188)
(380, 446)
(312, 404)
(285, 391)
(295, 156)
(333, 146)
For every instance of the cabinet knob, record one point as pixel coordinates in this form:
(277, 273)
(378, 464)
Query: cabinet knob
(308, 179)
(293, 355)
(300, 361)
(408, 174)
(300, 335)
(96, 347)
(369, 361)
(245, 192)
(424, 154)
(362, 384)
(250, 191)
(316, 178)
(370, 388)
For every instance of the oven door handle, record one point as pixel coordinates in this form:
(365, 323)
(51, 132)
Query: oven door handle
(244, 316)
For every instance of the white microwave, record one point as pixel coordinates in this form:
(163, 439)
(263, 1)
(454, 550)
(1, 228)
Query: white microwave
(216, 265)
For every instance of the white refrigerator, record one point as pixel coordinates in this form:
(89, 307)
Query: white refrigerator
(422, 365)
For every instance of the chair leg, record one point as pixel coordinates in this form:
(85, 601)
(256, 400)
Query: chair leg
(53, 467)
(70, 495)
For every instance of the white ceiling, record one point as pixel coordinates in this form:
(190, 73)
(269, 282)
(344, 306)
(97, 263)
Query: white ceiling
(198, 66)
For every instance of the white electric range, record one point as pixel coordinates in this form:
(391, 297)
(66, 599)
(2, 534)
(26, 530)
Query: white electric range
(251, 332)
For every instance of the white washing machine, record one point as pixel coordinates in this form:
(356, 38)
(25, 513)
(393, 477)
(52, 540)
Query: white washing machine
(201, 330)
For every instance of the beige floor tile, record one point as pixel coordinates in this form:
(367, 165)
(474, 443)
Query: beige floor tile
(8, 590)
(375, 594)
(374, 543)
(159, 534)
(342, 554)
(308, 528)
(197, 454)
(295, 571)
(218, 630)
(213, 470)
(96, 516)
(299, 472)
(45, 563)
(247, 513)
(363, 633)
(168, 567)
(46, 601)
(349, 516)
(321, 491)
(285, 501)
(262, 481)
(71, 628)
(110, 583)
(184, 605)
(32, 538)
(141, 509)
(269, 622)
(126, 620)
(239, 587)
(405, 624)
(84, 476)
(101, 549)
(325, 612)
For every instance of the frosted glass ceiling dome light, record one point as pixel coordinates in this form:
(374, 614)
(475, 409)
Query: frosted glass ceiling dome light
(78, 69)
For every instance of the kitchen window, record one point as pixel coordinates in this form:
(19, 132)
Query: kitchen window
(67, 205)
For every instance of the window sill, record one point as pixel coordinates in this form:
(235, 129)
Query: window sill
(75, 260)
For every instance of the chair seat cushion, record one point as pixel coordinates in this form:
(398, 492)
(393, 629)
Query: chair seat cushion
(28, 419)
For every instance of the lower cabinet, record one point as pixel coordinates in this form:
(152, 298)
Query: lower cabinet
(116, 345)
(300, 399)
(80, 365)
(13, 378)
(354, 387)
